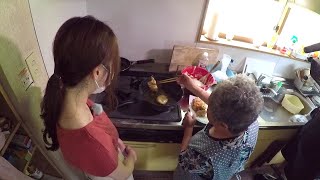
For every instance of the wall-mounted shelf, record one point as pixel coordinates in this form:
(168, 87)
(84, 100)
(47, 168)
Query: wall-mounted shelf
(247, 46)
(26, 166)
(9, 139)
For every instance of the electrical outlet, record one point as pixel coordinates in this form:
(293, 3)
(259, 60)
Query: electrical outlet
(25, 78)
(36, 67)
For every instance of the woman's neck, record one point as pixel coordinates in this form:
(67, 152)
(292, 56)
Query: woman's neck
(75, 112)
(76, 97)
(220, 132)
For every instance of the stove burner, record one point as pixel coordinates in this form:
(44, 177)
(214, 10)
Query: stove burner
(122, 96)
(135, 83)
(131, 107)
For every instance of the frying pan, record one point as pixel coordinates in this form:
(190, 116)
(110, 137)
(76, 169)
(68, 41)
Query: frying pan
(126, 64)
(172, 90)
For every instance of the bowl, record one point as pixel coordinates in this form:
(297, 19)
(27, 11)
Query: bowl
(199, 72)
(292, 103)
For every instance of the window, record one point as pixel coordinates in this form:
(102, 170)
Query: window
(302, 23)
(246, 20)
(253, 21)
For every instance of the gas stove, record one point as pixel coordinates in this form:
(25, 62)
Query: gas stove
(132, 107)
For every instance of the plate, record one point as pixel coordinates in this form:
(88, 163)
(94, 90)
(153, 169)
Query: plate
(203, 120)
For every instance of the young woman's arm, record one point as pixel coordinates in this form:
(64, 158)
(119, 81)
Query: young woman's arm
(126, 166)
(124, 169)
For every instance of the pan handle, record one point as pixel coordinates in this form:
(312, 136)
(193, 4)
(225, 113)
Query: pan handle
(145, 61)
(125, 103)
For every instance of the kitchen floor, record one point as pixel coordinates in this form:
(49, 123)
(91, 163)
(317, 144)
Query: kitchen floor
(245, 175)
(152, 175)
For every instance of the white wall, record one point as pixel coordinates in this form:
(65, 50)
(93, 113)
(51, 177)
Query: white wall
(48, 16)
(145, 28)
(149, 28)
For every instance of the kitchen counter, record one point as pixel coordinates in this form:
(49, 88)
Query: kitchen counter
(138, 124)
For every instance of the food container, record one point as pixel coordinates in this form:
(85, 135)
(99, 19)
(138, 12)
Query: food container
(292, 104)
(199, 72)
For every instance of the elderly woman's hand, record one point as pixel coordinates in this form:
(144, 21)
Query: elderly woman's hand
(187, 82)
(188, 120)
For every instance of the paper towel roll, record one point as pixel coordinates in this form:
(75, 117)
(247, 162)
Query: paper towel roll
(213, 30)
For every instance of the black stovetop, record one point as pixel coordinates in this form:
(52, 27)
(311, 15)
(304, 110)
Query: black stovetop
(128, 91)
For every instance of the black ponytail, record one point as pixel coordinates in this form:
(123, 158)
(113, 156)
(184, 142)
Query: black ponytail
(80, 45)
(51, 110)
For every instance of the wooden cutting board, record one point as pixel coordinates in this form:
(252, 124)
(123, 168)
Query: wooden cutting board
(183, 56)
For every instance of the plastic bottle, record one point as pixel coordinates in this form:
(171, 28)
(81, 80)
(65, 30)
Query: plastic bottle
(34, 172)
(201, 60)
(290, 47)
(274, 38)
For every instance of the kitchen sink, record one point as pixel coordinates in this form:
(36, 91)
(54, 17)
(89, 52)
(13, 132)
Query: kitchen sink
(274, 112)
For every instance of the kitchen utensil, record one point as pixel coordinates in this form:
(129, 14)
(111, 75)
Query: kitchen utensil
(203, 120)
(298, 80)
(304, 72)
(174, 79)
(292, 103)
(173, 92)
(204, 78)
(215, 66)
(298, 118)
(126, 64)
(198, 73)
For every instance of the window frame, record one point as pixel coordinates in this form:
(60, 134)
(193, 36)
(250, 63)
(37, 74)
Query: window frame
(281, 24)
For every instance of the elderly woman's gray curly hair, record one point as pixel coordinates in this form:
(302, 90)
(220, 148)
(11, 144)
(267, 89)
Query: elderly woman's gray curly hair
(237, 102)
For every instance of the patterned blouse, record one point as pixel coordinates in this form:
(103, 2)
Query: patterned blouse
(217, 159)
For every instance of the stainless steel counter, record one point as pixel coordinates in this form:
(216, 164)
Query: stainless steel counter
(138, 124)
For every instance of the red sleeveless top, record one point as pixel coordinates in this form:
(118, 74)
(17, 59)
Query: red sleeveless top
(92, 148)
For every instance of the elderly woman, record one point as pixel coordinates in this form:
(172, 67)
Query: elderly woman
(222, 148)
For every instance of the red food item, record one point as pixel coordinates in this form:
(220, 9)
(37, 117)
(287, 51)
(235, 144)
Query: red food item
(197, 73)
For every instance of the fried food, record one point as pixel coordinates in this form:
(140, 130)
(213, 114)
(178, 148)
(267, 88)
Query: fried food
(198, 104)
(162, 99)
(153, 85)
(199, 107)
(201, 113)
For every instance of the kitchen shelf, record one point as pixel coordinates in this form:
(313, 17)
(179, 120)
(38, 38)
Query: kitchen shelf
(9, 139)
(247, 46)
(28, 162)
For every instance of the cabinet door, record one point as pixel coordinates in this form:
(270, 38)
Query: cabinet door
(155, 156)
(265, 138)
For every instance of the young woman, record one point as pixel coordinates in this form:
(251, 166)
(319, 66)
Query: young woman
(86, 61)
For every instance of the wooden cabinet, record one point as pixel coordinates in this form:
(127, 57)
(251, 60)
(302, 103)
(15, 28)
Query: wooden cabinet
(8, 111)
(155, 156)
(164, 156)
(266, 137)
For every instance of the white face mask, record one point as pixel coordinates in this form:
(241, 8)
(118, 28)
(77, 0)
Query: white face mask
(100, 89)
